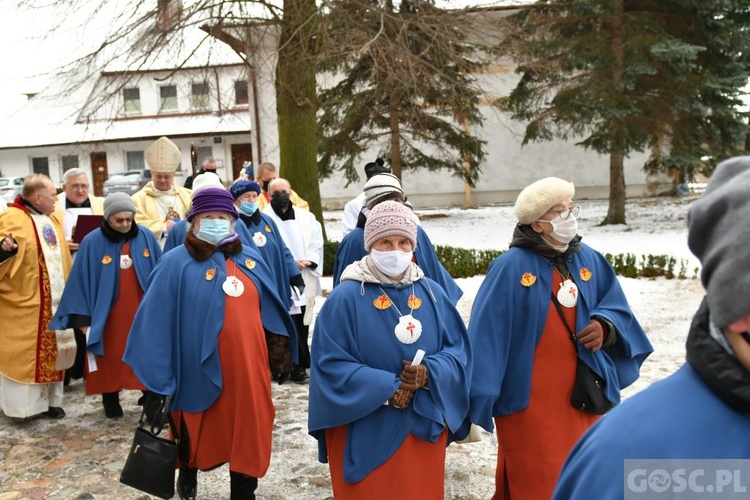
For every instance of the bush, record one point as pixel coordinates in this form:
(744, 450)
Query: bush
(467, 262)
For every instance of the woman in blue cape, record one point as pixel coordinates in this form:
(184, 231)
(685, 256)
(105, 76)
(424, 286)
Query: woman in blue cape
(379, 188)
(102, 294)
(544, 303)
(380, 412)
(209, 324)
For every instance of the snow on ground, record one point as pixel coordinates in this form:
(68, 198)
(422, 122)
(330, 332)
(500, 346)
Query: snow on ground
(83, 453)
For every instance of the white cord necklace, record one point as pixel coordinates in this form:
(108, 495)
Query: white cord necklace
(232, 286)
(409, 329)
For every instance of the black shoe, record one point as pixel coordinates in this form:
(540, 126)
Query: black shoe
(242, 487)
(299, 375)
(54, 412)
(111, 403)
(283, 377)
(187, 483)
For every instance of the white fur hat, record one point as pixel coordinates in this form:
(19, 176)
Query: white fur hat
(537, 198)
(163, 156)
(206, 180)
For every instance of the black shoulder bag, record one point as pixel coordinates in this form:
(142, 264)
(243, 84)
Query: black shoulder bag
(150, 466)
(588, 389)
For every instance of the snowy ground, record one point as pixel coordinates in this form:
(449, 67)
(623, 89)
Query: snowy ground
(81, 455)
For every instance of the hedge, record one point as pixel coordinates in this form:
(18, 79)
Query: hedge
(467, 262)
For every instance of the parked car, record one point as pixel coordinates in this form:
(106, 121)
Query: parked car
(10, 187)
(129, 182)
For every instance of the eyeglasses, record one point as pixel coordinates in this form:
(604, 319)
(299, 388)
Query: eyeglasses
(564, 214)
(745, 336)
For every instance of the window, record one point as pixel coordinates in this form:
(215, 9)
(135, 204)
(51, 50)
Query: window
(40, 165)
(199, 96)
(135, 160)
(69, 162)
(240, 92)
(132, 100)
(168, 98)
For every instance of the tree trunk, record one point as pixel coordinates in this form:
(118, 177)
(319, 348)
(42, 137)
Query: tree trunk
(395, 134)
(296, 102)
(616, 212)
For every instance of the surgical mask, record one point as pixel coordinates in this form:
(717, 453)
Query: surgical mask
(391, 263)
(213, 231)
(280, 201)
(563, 230)
(248, 208)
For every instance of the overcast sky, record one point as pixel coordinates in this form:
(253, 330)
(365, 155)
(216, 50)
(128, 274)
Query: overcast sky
(33, 44)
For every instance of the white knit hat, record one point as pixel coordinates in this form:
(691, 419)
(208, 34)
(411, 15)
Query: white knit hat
(538, 198)
(390, 218)
(163, 156)
(380, 187)
(206, 180)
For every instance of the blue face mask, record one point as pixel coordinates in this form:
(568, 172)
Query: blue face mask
(248, 208)
(214, 231)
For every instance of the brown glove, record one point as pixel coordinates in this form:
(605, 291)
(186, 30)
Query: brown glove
(401, 399)
(413, 377)
(592, 336)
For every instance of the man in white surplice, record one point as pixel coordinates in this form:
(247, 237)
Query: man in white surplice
(303, 234)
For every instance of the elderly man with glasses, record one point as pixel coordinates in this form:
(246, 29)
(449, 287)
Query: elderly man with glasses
(549, 312)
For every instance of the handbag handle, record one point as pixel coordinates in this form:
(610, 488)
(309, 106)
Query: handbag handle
(573, 337)
(157, 425)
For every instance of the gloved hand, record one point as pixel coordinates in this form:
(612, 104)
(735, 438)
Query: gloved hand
(592, 337)
(401, 399)
(279, 354)
(413, 377)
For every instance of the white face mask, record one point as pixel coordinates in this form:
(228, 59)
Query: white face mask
(392, 263)
(563, 230)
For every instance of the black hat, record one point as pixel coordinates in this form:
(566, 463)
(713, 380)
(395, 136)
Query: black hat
(376, 167)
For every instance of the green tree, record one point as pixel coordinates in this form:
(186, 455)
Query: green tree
(631, 75)
(406, 87)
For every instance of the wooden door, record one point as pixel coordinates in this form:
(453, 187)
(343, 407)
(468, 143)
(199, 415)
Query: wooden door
(240, 154)
(99, 172)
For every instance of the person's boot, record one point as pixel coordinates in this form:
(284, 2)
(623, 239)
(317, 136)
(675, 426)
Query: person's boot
(111, 403)
(242, 487)
(299, 375)
(55, 412)
(187, 483)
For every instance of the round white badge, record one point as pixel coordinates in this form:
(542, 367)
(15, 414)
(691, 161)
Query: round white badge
(125, 262)
(259, 239)
(233, 287)
(568, 294)
(408, 330)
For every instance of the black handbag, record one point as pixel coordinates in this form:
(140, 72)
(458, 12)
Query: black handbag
(150, 466)
(588, 388)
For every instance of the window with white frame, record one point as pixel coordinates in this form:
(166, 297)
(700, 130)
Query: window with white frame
(168, 98)
(240, 92)
(132, 100)
(68, 162)
(199, 95)
(135, 160)
(40, 165)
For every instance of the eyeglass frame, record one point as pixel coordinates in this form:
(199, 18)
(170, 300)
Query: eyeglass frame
(559, 213)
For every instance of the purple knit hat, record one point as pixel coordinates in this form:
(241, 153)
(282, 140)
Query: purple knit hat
(390, 218)
(212, 199)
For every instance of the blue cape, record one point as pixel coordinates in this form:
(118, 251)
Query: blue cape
(508, 318)
(173, 345)
(678, 418)
(352, 249)
(93, 286)
(355, 368)
(276, 254)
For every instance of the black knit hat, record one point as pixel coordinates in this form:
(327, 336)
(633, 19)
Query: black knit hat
(376, 167)
(718, 236)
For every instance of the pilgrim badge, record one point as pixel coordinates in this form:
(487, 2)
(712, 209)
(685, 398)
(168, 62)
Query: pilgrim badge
(408, 330)
(250, 264)
(585, 274)
(528, 279)
(146, 253)
(414, 302)
(268, 228)
(210, 274)
(568, 293)
(233, 286)
(125, 262)
(259, 239)
(106, 260)
(382, 302)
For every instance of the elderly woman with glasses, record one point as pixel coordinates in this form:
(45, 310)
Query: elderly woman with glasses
(547, 302)
(202, 335)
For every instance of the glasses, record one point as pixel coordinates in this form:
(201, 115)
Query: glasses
(746, 336)
(564, 214)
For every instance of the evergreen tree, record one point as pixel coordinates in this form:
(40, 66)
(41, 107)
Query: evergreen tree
(406, 88)
(627, 75)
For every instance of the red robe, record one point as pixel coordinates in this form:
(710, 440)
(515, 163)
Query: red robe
(112, 374)
(534, 442)
(237, 428)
